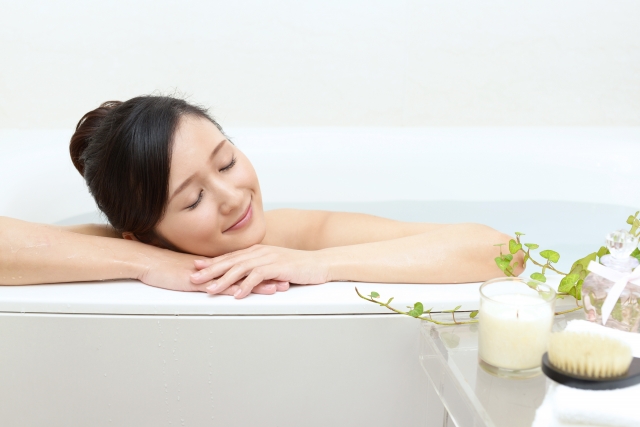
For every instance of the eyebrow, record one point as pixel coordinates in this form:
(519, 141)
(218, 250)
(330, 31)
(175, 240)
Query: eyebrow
(187, 181)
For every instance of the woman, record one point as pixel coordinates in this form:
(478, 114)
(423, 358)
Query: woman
(171, 184)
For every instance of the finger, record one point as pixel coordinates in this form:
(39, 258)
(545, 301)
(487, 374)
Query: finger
(265, 288)
(206, 262)
(220, 268)
(281, 286)
(234, 274)
(268, 287)
(257, 276)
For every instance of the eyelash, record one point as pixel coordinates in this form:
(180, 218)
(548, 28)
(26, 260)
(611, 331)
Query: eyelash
(229, 166)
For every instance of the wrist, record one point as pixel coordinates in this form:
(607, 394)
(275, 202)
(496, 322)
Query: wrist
(333, 261)
(136, 259)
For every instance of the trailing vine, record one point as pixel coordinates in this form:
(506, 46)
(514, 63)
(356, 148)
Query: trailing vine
(571, 283)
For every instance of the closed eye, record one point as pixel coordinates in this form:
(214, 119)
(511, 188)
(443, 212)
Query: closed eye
(193, 206)
(230, 165)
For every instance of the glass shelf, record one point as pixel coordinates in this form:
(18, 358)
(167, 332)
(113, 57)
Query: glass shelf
(472, 396)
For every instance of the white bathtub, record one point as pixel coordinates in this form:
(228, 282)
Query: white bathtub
(121, 353)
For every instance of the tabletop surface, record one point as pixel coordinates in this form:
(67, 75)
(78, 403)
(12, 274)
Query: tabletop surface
(472, 396)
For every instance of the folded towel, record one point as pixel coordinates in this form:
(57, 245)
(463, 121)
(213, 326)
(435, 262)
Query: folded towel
(568, 407)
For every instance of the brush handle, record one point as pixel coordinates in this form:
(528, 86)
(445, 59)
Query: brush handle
(632, 377)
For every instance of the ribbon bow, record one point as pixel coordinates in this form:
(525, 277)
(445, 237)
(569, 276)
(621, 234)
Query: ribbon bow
(620, 282)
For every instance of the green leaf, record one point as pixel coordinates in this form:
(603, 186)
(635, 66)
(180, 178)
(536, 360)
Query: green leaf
(375, 295)
(539, 277)
(501, 263)
(390, 299)
(568, 282)
(499, 244)
(507, 257)
(452, 310)
(473, 314)
(545, 294)
(514, 246)
(532, 245)
(517, 233)
(533, 285)
(416, 310)
(583, 263)
(552, 256)
(427, 311)
(578, 290)
(636, 254)
(576, 268)
(631, 219)
(526, 258)
(602, 252)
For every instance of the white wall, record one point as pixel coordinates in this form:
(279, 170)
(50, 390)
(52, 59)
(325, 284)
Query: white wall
(331, 62)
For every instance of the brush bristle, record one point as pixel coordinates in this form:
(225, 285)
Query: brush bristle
(589, 355)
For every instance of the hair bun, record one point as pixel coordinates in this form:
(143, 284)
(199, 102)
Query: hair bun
(85, 129)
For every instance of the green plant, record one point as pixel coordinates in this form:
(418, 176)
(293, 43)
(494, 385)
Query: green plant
(571, 283)
(418, 311)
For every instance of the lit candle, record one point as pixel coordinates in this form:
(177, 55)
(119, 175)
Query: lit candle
(516, 316)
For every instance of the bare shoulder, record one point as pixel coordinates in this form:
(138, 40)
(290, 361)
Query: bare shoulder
(293, 228)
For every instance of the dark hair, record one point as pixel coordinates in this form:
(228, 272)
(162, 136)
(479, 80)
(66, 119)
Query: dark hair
(123, 151)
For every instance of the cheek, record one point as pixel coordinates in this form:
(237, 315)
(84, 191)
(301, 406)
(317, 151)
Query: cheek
(193, 232)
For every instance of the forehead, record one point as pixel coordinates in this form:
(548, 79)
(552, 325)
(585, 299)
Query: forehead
(193, 141)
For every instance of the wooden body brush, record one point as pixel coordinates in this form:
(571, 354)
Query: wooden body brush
(590, 361)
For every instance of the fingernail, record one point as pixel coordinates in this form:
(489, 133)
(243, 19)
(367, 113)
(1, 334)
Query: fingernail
(196, 275)
(270, 287)
(212, 287)
(237, 294)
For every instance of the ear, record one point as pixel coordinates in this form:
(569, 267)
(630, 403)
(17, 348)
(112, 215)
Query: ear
(127, 235)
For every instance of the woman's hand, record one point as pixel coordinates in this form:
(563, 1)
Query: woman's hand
(257, 264)
(172, 270)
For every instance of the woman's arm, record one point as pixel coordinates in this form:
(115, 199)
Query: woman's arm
(451, 253)
(367, 249)
(104, 230)
(313, 230)
(37, 253)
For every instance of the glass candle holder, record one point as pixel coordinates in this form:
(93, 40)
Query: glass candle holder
(516, 316)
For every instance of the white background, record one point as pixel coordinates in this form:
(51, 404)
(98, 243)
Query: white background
(327, 63)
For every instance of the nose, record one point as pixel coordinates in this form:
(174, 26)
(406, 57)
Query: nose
(230, 198)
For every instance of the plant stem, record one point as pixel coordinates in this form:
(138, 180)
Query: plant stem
(548, 265)
(419, 317)
(568, 311)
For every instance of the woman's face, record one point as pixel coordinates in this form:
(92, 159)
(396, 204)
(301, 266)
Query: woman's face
(214, 204)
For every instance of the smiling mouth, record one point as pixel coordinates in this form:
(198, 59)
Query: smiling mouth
(246, 217)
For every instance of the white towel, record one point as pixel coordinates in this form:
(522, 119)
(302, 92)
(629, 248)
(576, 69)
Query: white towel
(571, 407)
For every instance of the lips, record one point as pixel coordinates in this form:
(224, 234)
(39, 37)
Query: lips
(244, 219)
